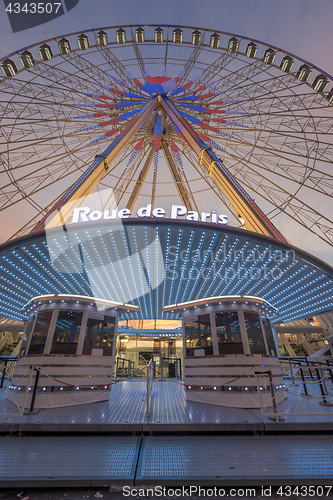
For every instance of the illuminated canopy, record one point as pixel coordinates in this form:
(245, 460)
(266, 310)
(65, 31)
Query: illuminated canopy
(197, 260)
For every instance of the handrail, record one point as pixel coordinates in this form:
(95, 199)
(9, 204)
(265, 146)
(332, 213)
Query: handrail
(130, 367)
(149, 385)
(27, 389)
(5, 360)
(279, 416)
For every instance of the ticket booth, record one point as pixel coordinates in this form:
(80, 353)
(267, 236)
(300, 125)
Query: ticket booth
(227, 340)
(72, 340)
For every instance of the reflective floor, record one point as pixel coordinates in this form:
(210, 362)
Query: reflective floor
(126, 410)
(174, 446)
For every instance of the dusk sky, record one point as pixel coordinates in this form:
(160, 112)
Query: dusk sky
(302, 27)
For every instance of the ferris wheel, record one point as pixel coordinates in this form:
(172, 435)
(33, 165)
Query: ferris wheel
(180, 114)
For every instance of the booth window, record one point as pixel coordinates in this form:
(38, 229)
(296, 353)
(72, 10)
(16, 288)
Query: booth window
(228, 332)
(67, 332)
(198, 335)
(254, 333)
(40, 333)
(99, 335)
(27, 334)
(269, 337)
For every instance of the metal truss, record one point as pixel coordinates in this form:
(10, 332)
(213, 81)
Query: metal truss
(259, 132)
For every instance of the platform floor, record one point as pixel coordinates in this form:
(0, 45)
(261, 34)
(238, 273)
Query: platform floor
(160, 450)
(170, 412)
(166, 460)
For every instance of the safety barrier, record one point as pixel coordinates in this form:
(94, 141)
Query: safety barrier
(6, 365)
(121, 368)
(311, 372)
(150, 375)
(28, 374)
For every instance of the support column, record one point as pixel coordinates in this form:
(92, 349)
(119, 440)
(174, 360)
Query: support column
(245, 339)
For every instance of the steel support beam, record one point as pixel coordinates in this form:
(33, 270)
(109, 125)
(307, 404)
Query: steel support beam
(176, 177)
(92, 176)
(244, 206)
(140, 181)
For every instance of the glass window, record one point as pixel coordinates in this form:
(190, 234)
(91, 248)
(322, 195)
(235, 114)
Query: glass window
(269, 337)
(254, 333)
(99, 335)
(40, 333)
(228, 332)
(27, 334)
(198, 335)
(67, 332)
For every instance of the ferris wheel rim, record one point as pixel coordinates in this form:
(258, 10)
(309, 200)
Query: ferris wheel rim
(210, 30)
(187, 44)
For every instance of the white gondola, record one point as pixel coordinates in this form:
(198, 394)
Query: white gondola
(71, 339)
(230, 352)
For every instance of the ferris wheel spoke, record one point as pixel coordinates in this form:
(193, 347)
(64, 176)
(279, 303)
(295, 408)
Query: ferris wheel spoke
(295, 208)
(115, 65)
(191, 61)
(138, 55)
(290, 169)
(272, 130)
(185, 196)
(202, 171)
(213, 70)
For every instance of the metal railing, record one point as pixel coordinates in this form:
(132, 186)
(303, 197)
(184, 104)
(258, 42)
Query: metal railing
(128, 370)
(29, 374)
(6, 365)
(311, 372)
(150, 376)
(305, 367)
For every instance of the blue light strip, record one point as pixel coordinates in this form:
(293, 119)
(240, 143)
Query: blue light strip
(148, 267)
(175, 265)
(230, 268)
(183, 267)
(129, 262)
(139, 266)
(237, 285)
(203, 265)
(166, 267)
(85, 253)
(221, 247)
(218, 274)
